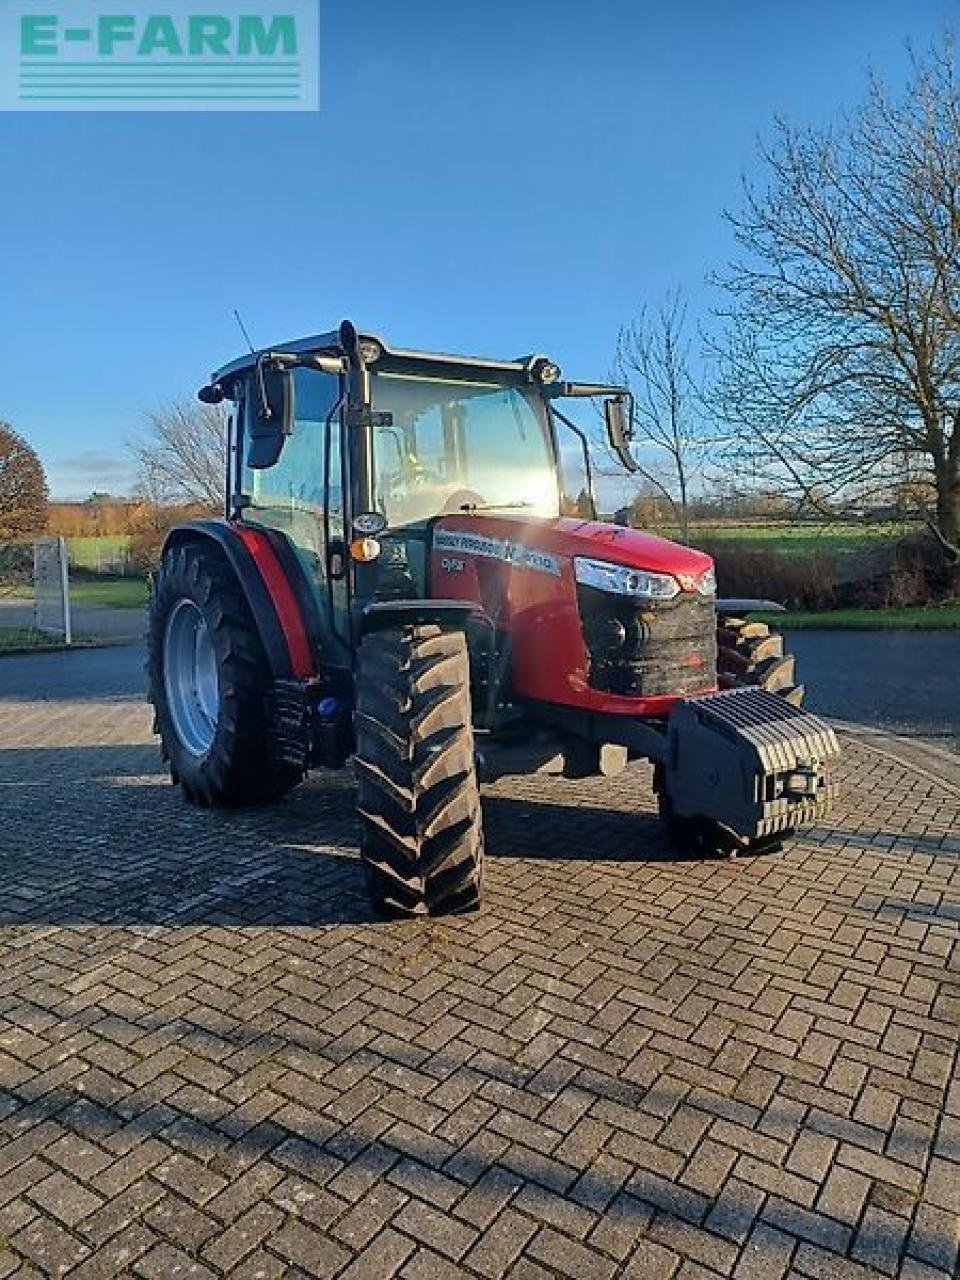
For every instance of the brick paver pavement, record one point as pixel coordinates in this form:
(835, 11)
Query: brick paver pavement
(213, 1062)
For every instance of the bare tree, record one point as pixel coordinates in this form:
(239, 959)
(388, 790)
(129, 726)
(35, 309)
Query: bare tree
(841, 358)
(23, 487)
(653, 357)
(181, 458)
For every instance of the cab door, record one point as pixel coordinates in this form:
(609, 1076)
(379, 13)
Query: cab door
(301, 496)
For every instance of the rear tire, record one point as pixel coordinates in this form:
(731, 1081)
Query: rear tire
(419, 803)
(751, 653)
(214, 707)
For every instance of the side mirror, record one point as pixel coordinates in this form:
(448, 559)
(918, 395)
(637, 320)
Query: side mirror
(618, 415)
(270, 415)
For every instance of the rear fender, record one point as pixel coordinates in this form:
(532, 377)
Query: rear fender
(264, 579)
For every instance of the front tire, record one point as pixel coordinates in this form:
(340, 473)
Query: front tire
(211, 686)
(419, 802)
(752, 653)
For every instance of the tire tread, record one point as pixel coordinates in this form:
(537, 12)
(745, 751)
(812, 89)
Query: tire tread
(419, 803)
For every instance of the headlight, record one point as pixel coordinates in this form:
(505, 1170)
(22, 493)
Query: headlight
(708, 583)
(624, 581)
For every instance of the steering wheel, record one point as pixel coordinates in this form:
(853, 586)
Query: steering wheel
(459, 499)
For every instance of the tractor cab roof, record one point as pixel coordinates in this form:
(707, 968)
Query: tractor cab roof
(380, 355)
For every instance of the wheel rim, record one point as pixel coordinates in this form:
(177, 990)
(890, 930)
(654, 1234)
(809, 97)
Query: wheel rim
(190, 677)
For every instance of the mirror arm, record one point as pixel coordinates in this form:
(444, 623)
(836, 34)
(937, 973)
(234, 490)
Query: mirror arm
(216, 392)
(581, 390)
(265, 411)
(627, 458)
(292, 360)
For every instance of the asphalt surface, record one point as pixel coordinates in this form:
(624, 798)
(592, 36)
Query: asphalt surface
(905, 682)
(74, 674)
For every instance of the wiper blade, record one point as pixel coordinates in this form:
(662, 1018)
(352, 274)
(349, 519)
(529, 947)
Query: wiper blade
(493, 506)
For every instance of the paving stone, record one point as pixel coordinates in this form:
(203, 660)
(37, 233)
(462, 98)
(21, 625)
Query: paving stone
(568, 1257)
(311, 1251)
(935, 1237)
(880, 1240)
(694, 1243)
(500, 1245)
(843, 1195)
(381, 1259)
(623, 1223)
(48, 1245)
(766, 1254)
(436, 1229)
(367, 1218)
(64, 1199)
(118, 1255)
(242, 1237)
(165, 1262)
(486, 1198)
(652, 1259)
(428, 1265)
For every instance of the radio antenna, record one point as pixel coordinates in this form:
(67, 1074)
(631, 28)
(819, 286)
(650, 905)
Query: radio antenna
(243, 330)
(265, 410)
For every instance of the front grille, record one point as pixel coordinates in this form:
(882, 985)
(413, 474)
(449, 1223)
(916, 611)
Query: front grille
(649, 649)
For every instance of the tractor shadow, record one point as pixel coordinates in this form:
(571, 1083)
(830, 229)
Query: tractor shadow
(97, 835)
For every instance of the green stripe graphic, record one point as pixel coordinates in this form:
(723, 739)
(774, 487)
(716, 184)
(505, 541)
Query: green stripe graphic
(160, 97)
(139, 62)
(52, 79)
(153, 70)
(267, 82)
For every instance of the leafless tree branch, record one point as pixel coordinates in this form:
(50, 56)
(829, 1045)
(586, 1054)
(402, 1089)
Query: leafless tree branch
(181, 458)
(653, 357)
(839, 366)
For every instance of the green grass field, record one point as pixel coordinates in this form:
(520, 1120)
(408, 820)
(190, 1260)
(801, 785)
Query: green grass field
(801, 539)
(23, 638)
(18, 639)
(116, 593)
(96, 553)
(111, 593)
(936, 617)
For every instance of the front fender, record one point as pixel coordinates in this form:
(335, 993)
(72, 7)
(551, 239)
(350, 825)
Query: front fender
(452, 615)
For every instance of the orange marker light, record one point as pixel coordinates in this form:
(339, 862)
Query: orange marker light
(365, 549)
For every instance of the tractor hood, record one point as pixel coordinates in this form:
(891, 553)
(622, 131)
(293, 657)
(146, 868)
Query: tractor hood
(632, 547)
(507, 538)
(567, 628)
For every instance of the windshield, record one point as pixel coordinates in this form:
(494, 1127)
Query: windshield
(460, 446)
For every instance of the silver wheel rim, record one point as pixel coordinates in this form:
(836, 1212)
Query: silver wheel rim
(190, 677)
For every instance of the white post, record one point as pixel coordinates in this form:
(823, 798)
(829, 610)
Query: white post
(65, 587)
(36, 577)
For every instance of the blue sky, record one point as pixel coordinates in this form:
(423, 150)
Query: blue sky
(485, 177)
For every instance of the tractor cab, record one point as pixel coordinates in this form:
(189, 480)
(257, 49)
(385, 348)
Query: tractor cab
(353, 451)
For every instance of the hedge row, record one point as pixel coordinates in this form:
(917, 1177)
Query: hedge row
(910, 572)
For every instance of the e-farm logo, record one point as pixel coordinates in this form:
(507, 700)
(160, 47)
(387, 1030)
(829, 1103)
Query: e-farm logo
(159, 55)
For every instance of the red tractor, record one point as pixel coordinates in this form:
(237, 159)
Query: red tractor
(396, 581)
